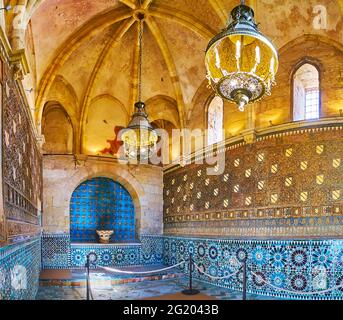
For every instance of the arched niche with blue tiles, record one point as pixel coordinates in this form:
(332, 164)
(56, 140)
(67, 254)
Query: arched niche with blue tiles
(101, 204)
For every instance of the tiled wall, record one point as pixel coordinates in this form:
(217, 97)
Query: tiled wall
(20, 189)
(285, 185)
(59, 253)
(19, 270)
(21, 164)
(294, 265)
(299, 265)
(55, 251)
(101, 204)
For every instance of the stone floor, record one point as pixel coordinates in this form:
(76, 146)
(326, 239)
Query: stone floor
(101, 277)
(140, 290)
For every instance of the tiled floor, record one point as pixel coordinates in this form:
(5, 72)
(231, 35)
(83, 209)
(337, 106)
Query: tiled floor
(141, 290)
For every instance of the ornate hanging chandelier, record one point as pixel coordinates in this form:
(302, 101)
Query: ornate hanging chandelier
(139, 137)
(241, 62)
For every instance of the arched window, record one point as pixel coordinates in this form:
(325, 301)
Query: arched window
(101, 204)
(306, 93)
(215, 120)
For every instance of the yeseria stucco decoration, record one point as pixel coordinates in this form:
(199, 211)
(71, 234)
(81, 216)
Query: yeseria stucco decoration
(284, 185)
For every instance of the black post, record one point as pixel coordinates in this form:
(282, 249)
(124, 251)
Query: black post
(244, 279)
(190, 273)
(190, 291)
(87, 280)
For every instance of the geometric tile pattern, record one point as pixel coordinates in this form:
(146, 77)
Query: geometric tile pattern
(152, 249)
(19, 270)
(294, 176)
(21, 164)
(299, 265)
(109, 255)
(59, 253)
(55, 251)
(101, 204)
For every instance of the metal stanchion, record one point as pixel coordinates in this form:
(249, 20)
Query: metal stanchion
(244, 279)
(190, 291)
(87, 279)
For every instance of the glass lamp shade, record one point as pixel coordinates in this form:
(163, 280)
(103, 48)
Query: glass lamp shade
(139, 137)
(241, 62)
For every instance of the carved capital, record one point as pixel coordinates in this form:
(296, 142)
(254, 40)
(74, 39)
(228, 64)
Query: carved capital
(19, 63)
(249, 136)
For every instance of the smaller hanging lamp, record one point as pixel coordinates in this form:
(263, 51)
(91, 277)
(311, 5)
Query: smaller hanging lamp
(139, 137)
(241, 62)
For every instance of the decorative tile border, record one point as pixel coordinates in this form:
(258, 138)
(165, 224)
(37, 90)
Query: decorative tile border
(152, 249)
(55, 251)
(105, 255)
(59, 253)
(295, 265)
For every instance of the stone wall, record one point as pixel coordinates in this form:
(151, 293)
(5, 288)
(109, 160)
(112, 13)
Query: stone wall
(287, 184)
(62, 175)
(323, 52)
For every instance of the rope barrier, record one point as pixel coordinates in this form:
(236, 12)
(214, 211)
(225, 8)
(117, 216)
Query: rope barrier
(215, 278)
(191, 291)
(297, 292)
(142, 272)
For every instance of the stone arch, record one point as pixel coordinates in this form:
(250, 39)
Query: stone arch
(110, 97)
(196, 116)
(118, 175)
(63, 92)
(310, 37)
(66, 128)
(162, 107)
(318, 50)
(113, 211)
(96, 129)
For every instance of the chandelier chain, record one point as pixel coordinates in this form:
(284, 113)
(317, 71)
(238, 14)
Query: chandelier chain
(140, 60)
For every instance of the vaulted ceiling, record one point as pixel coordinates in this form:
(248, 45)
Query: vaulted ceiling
(82, 50)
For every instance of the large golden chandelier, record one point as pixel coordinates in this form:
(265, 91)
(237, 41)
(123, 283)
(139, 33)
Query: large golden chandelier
(241, 62)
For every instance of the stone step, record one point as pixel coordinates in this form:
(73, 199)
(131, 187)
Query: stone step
(100, 278)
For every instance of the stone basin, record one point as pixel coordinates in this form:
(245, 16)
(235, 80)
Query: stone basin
(104, 235)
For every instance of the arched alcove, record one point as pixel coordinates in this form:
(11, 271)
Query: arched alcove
(104, 115)
(101, 204)
(57, 130)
